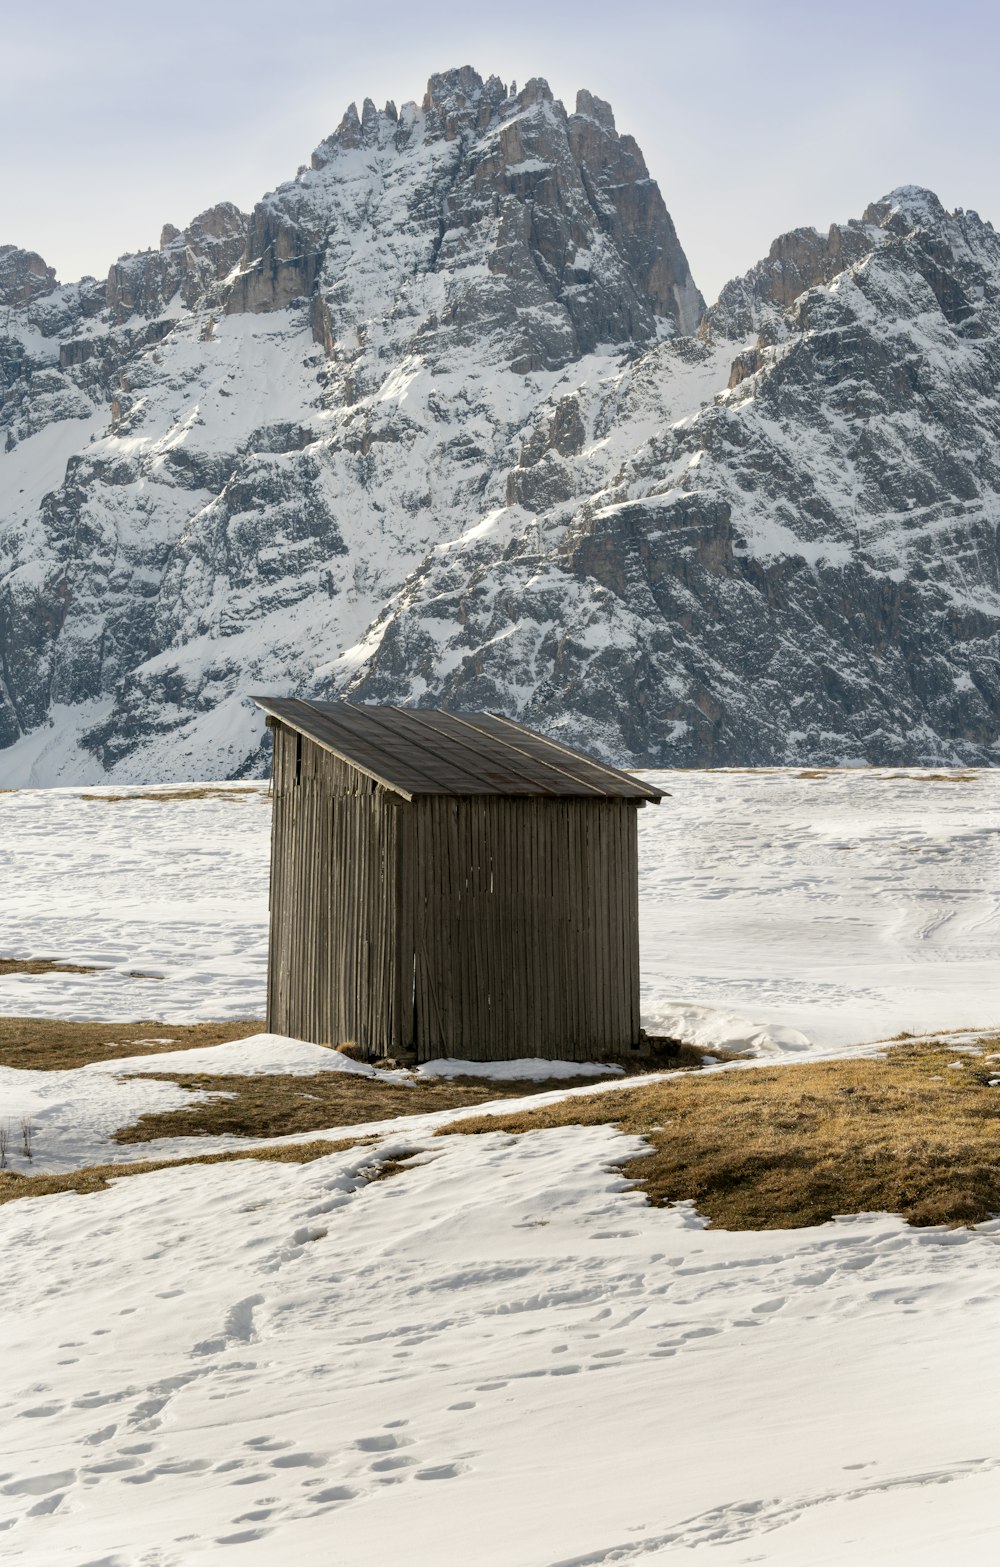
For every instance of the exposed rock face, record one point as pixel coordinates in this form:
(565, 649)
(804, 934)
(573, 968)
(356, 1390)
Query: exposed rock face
(442, 421)
(805, 568)
(188, 263)
(487, 213)
(24, 277)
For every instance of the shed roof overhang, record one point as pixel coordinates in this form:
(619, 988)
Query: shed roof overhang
(427, 751)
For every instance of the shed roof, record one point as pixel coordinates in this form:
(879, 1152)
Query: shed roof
(420, 750)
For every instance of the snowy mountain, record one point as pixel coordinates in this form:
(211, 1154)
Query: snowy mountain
(444, 420)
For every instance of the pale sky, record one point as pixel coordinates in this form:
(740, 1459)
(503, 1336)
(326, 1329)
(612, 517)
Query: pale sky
(755, 117)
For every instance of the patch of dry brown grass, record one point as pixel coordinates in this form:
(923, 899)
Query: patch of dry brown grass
(97, 1177)
(57, 1044)
(44, 966)
(890, 777)
(279, 1105)
(385, 1169)
(171, 796)
(930, 777)
(57, 966)
(917, 1133)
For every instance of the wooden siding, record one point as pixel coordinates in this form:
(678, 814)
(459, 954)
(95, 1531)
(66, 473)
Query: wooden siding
(527, 928)
(482, 927)
(333, 963)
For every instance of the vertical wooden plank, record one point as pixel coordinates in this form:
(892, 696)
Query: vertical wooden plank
(626, 827)
(505, 1046)
(508, 933)
(488, 925)
(568, 929)
(544, 986)
(589, 983)
(633, 920)
(274, 884)
(421, 1002)
(618, 872)
(406, 934)
(473, 819)
(518, 1045)
(605, 919)
(438, 932)
(455, 888)
(544, 824)
(528, 1043)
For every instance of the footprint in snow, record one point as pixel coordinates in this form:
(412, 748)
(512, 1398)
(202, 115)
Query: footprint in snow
(392, 1462)
(48, 1504)
(335, 1493)
(441, 1472)
(39, 1485)
(112, 1466)
(385, 1442)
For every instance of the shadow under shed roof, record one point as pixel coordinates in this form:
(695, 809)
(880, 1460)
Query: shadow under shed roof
(423, 751)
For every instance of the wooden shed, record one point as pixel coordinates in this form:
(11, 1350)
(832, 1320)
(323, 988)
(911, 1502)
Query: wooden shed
(450, 885)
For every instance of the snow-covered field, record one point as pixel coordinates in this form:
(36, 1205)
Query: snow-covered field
(777, 909)
(500, 1355)
(821, 909)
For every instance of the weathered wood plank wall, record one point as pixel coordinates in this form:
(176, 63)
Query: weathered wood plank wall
(485, 927)
(527, 927)
(333, 967)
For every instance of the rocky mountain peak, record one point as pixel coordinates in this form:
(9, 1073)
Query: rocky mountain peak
(592, 108)
(460, 87)
(906, 208)
(187, 263)
(433, 424)
(943, 247)
(577, 245)
(24, 277)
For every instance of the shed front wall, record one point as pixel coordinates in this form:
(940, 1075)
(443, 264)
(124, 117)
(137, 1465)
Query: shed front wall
(526, 927)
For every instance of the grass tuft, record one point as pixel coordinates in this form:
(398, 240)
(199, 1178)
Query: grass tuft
(58, 1045)
(97, 1177)
(44, 966)
(281, 1104)
(171, 796)
(915, 1133)
(931, 778)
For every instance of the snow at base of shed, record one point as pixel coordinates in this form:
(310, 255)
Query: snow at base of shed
(530, 1069)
